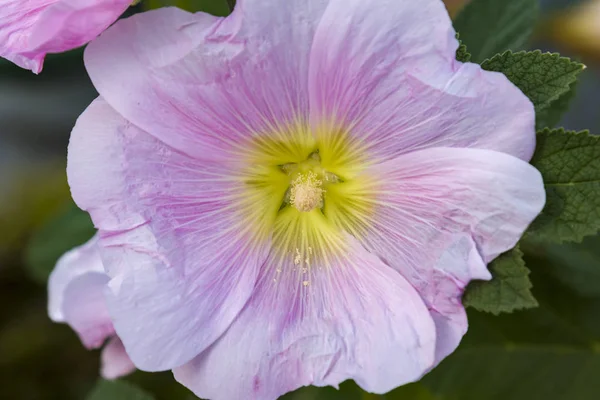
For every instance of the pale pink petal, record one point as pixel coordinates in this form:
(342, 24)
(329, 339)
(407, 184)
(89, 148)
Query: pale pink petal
(355, 319)
(182, 259)
(74, 263)
(440, 215)
(31, 29)
(76, 294)
(115, 361)
(201, 83)
(84, 308)
(386, 71)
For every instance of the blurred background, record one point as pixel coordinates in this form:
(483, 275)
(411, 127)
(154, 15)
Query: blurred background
(517, 357)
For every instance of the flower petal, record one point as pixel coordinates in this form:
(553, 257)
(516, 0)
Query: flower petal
(74, 263)
(357, 319)
(387, 73)
(182, 256)
(85, 311)
(30, 29)
(198, 82)
(115, 361)
(75, 294)
(440, 215)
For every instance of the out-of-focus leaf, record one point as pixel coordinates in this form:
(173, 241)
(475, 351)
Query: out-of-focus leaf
(66, 230)
(576, 265)
(348, 391)
(518, 372)
(574, 29)
(214, 7)
(543, 77)
(489, 27)
(570, 165)
(161, 384)
(509, 290)
(34, 195)
(454, 6)
(413, 391)
(351, 391)
(117, 390)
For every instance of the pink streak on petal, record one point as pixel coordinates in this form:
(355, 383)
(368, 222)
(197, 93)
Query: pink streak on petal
(358, 319)
(443, 215)
(202, 84)
(32, 28)
(388, 72)
(115, 361)
(180, 256)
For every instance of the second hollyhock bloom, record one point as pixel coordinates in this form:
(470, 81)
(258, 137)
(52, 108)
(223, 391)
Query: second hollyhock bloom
(298, 194)
(76, 297)
(30, 29)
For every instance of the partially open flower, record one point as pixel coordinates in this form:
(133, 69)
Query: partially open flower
(298, 194)
(30, 29)
(76, 297)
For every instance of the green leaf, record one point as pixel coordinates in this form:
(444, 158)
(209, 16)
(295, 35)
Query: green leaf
(550, 117)
(509, 290)
(543, 77)
(351, 391)
(117, 390)
(462, 54)
(161, 384)
(570, 165)
(348, 391)
(489, 27)
(413, 391)
(518, 372)
(66, 230)
(576, 265)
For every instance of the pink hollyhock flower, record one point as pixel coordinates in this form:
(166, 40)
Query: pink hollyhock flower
(75, 296)
(299, 193)
(29, 29)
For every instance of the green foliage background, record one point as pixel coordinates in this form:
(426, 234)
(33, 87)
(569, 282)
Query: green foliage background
(534, 330)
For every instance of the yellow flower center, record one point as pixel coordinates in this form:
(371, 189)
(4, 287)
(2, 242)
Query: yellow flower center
(302, 190)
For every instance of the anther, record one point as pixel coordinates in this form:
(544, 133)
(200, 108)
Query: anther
(307, 193)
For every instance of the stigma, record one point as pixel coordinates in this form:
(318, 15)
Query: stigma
(306, 192)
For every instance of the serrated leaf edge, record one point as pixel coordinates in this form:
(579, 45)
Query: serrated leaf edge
(557, 56)
(533, 303)
(562, 131)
